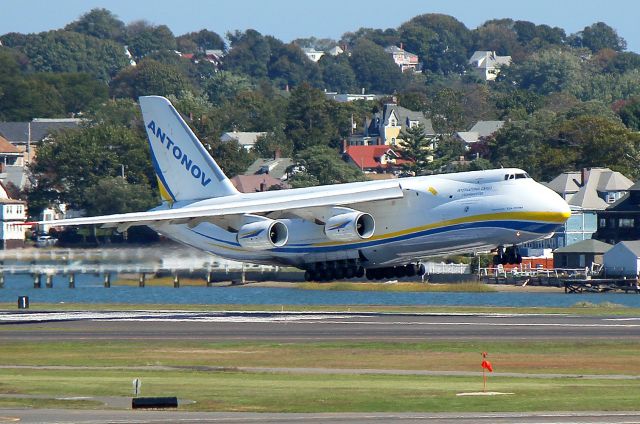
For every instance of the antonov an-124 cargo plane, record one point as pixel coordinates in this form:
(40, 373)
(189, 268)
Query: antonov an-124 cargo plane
(380, 228)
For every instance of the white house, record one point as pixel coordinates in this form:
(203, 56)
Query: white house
(487, 64)
(243, 138)
(623, 259)
(13, 215)
(313, 54)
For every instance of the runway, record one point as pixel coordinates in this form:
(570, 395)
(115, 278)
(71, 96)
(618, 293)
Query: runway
(312, 326)
(40, 416)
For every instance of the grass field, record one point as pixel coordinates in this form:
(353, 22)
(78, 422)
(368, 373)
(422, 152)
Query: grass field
(208, 373)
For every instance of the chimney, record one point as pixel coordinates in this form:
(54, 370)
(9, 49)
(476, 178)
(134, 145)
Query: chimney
(277, 154)
(402, 46)
(363, 90)
(263, 186)
(345, 146)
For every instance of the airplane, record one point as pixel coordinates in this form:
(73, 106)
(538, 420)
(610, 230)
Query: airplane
(380, 229)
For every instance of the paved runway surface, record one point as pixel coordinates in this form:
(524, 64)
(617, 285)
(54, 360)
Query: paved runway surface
(217, 326)
(157, 417)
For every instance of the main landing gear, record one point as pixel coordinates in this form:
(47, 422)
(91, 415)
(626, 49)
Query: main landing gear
(334, 270)
(408, 270)
(510, 255)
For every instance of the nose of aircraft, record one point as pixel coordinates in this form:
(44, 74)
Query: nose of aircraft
(556, 205)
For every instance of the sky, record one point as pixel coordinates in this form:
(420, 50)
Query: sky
(291, 19)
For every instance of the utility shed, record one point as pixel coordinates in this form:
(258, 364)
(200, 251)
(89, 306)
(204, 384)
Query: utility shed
(581, 254)
(623, 260)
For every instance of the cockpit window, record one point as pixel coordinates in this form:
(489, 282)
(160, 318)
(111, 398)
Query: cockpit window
(516, 176)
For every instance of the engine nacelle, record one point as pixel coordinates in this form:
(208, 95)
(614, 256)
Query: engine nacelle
(263, 234)
(350, 226)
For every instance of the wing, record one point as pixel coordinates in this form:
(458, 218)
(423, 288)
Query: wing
(293, 201)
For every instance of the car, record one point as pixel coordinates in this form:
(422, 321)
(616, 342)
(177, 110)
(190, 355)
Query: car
(46, 241)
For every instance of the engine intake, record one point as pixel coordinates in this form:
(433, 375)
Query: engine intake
(262, 235)
(351, 226)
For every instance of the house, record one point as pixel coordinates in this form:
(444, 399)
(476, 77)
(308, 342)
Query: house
(384, 127)
(255, 183)
(244, 139)
(13, 215)
(405, 60)
(487, 64)
(276, 167)
(581, 254)
(481, 129)
(383, 159)
(588, 192)
(27, 135)
(335, 51)
(349, 97)
(623, 260)
(621, 220)
(313, 54)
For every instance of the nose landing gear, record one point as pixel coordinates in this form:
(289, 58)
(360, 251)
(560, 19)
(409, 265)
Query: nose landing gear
(510, 255)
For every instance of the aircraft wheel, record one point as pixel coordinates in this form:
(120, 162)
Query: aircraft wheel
(350, 272)
(360, 272)
(389, 273)
(400, 271)
(410, 270)
(338, 273)
(371, 274)
(518, 259)
(308, 276)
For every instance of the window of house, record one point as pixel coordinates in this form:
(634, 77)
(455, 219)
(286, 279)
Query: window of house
(626, 222)
(602, 223)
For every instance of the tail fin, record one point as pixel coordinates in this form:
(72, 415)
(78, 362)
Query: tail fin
(185, 170)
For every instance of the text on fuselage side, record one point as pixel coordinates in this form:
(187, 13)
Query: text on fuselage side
(176, 152)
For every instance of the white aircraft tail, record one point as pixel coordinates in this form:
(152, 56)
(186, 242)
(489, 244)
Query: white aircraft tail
(185, 170)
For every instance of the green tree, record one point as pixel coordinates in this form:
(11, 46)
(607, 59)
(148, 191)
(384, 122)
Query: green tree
(266, 145)
(150, 77)
(73, 161)
(417, 148)
(441, 42)
(78, 91)
(249, 55)
(232, 158)
(225, 86)
(337, 74)
(113, 195)
(374, 69)
(446, 111)
(327, 167)
(308, 122)
(629, 112)
(599, 36)
(200, 41)
(99, 23)
(143, 38)
(545, 72)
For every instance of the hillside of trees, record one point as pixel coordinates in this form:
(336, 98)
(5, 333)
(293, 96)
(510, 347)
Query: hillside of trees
(570, 100)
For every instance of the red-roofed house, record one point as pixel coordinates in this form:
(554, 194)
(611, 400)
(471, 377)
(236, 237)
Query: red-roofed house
(260, 182)
(380, 158)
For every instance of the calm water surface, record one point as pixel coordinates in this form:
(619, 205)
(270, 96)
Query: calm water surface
(89, 289)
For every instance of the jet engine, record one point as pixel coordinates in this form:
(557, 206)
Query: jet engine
(350, 226)
(263, 234)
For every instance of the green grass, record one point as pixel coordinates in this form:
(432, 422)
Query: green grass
(290, 392)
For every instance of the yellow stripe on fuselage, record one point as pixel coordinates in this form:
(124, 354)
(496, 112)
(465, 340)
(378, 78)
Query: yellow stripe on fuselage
(546, 217)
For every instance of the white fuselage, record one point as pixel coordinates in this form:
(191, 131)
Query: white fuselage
(440, 214)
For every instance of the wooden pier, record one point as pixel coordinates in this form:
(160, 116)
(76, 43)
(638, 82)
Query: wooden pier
(601, 285)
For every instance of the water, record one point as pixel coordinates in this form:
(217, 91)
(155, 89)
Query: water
(89, 289)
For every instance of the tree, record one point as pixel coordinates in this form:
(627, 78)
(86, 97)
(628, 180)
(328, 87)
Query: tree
(446, 111)
(545, 72)
(327, 167)
(67, 51)
(232, 158)
(200, 41)
(337, 74)
(498, 35)
(113, 195)
(629, 112)
(308, 122)
(78, 91)
(72, 161)
(416, 148)
(250, 54)
(224, 86)
(599, 36)
(99, 23)
(290, 67)
(374, 69)
(150, 77)
(441, 42)
(273, 141)
(143, 39)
